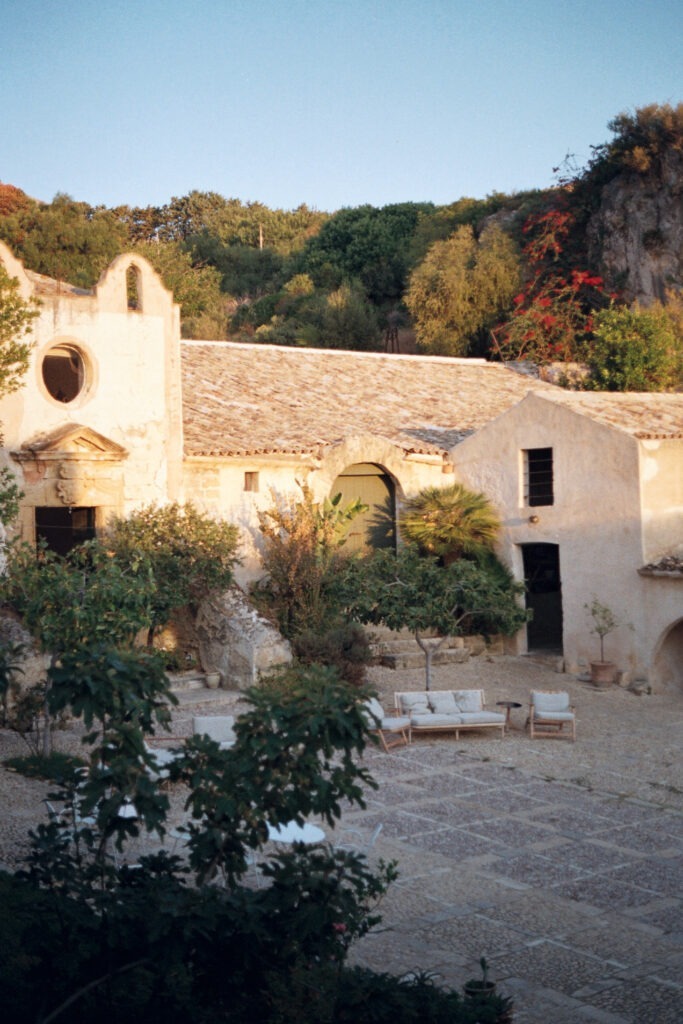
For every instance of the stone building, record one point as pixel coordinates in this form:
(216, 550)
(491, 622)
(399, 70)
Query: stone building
(590, 488)
(116, 411)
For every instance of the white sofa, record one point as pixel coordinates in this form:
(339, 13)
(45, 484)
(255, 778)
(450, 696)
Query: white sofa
(451, 710)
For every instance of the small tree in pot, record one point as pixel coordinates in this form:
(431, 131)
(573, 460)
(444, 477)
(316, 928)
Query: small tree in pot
(603, 673)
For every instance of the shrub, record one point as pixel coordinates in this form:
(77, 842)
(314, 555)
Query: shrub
(634, 350)
(345, 648)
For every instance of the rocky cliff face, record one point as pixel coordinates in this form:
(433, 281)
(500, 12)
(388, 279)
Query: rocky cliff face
(635, 237)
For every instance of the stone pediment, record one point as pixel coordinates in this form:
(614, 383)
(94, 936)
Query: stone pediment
(72, 441)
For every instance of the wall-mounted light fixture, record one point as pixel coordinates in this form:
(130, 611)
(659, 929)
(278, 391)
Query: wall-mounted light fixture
(533, 520)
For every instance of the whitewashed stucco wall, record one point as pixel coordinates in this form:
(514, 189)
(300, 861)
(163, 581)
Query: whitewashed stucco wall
(131, 394)
(595, 519)
(217, 485)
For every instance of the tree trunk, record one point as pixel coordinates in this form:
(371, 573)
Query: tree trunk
(429, 652)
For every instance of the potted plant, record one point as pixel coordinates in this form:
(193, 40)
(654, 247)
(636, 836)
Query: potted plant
(481, 994)
(480, 988)
(603, 673)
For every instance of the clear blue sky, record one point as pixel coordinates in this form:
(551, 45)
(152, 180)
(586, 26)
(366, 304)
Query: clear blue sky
(326, 102)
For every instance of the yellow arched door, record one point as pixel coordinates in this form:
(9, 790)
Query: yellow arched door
(375, 528)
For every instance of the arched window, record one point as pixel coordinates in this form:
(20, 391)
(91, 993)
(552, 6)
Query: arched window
(133, 289)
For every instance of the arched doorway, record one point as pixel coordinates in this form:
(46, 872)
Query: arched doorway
(667, 667)
(375, 528)
(543, 596)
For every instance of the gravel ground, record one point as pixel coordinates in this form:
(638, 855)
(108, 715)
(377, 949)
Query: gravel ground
(627, 745)
(561, 862)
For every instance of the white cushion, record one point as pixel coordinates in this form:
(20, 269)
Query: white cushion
(433, 719)
(395, 724)
(414, 703)
(374, 710)
(553, 716)
(443, 703)
(482, 718)
(468, 700)
(546, 702)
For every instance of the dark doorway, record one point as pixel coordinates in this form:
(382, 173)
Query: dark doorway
(543, 596)
(375, 528)
(64, 528)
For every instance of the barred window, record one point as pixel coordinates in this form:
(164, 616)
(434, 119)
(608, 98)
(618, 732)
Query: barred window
(538, 476)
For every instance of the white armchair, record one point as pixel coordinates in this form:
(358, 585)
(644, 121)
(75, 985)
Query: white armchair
(550, 712)
(393, 730)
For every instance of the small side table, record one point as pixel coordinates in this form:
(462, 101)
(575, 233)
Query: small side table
(509, 704)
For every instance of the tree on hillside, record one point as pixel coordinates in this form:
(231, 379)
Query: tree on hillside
(66, 240)
(245, 271)
(408, 591)
(12, 200)
(232, 222)
(450, 522)
(197, 289)
(364, 243)
(641, 140)
(634, 350)
(461, 289)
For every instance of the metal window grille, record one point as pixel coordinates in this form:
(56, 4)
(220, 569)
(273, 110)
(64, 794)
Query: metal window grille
(538, 476)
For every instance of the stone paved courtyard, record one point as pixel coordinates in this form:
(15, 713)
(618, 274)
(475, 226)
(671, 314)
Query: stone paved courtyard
(561, 863)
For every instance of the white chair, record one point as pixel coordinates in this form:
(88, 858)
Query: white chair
(360, 844)
(393, 730)
(220, 728)
(163, 759)
(549, 713)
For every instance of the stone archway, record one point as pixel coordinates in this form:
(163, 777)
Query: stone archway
(667, 665)
(375, 528)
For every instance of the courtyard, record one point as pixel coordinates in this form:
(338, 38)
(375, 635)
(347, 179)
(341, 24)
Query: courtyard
(561, 863)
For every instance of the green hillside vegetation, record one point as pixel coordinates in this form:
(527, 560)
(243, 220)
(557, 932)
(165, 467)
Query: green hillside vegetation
(505, 277)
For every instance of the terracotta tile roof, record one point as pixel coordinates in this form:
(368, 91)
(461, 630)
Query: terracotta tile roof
(247, 399)
(47, 286)
(644, 416)
(668, 566)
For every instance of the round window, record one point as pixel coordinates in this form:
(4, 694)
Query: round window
(64, 372)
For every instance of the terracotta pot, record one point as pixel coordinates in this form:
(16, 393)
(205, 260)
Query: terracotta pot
(213, 680)
(479, 989)
(603, 673)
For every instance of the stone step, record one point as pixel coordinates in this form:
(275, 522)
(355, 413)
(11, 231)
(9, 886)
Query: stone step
(408, 643)
(416, 658)
(224, 699)
(182, 681)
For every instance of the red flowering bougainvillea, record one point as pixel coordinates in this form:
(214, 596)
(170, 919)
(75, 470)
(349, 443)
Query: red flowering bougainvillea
(552, 316)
